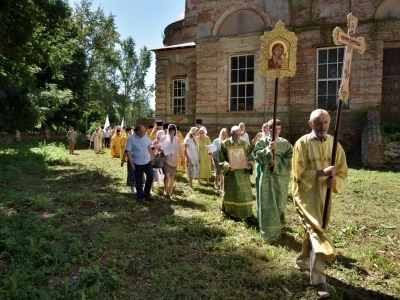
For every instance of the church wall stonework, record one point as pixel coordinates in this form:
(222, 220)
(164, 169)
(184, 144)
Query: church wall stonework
(175, 64)
(206, 64)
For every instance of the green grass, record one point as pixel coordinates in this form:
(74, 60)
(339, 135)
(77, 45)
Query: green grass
(70, 229)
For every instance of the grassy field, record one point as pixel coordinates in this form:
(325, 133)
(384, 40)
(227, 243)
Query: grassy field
(70, 229)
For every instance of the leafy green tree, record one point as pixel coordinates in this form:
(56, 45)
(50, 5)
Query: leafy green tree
(133, 69)
(35, 45)
(97, 37)
(61, 67)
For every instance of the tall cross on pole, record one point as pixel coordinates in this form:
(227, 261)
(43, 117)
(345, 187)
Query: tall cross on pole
(351, 42)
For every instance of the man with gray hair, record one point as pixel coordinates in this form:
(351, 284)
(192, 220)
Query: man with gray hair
(140, 158)
(236, 165)
(312, 175)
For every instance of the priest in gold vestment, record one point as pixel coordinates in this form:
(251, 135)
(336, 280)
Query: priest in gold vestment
(311, 169)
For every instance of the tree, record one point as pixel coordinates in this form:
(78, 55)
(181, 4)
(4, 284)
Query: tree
(59, 67)
(97, 37)
(133, 70)
(35, 45)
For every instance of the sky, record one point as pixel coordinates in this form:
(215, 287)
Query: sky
(143, 20)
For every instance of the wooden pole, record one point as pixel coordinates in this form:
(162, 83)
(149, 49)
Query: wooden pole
(274, 118)
(333, 159)
(275, 105)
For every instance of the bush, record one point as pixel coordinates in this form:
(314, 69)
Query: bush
(53, 153)
(390, 128)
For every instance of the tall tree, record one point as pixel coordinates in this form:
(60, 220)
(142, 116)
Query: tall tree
(34, 47)
(133, 70)
(97, 37)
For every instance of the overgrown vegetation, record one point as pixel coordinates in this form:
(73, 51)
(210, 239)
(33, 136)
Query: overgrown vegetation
(69, 229)
(391, 132)
(64, 66)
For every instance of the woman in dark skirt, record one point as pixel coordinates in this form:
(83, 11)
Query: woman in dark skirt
(130, 180)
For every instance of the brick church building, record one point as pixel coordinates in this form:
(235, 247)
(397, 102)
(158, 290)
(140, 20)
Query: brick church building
(209, 68)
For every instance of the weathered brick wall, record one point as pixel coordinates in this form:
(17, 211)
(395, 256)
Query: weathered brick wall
(207, 66)
(180, 32)
(173, 64)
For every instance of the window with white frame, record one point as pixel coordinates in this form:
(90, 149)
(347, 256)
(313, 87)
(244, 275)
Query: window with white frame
(329, 76)
(179, 103)
(242, 83)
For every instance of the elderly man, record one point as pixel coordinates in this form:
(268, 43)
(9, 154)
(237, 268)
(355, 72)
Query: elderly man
(140, 158)
(238, 199)
(312, 175)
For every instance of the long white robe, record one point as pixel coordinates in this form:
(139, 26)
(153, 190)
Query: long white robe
(97, 138)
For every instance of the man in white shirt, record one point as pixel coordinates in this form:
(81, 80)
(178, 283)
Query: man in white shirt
(106, 135)
(141, 157)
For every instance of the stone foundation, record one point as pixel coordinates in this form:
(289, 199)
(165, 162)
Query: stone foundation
(372, 144)
(391, 157)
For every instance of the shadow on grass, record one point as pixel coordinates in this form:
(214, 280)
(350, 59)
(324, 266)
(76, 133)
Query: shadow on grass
(207, 191)
(342, 290)
(289, 242)
(349, 263)
(150, 251)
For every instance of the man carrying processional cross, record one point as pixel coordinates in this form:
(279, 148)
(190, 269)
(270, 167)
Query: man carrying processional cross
(319, 167)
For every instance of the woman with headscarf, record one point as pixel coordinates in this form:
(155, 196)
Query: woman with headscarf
(171, 146)
(154, 144)
(219, 179)
(204, 156)
(158, 174)
(192, 155)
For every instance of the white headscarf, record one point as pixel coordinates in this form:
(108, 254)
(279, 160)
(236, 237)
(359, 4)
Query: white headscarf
(203, 129)
(160, 133)
(193, 130)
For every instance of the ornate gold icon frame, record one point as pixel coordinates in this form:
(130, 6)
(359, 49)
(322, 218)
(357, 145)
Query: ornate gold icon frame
(278, 55)
(237, 157)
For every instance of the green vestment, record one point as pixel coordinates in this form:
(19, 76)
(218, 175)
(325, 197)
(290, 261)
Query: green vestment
(272, 185)
(238, 198)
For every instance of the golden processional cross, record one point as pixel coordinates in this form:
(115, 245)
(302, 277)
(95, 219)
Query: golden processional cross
(351, 42)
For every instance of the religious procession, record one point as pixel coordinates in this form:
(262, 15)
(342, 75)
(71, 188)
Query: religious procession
(257, 157)
(154, 155)
(314, 167)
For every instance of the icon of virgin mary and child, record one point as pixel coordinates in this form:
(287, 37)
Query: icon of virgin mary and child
(278, 59)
